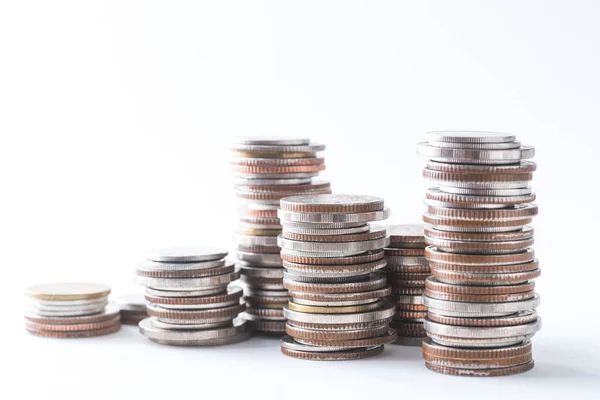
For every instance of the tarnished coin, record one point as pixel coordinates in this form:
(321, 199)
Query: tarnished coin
(388, 337)
(437, 350)
(332, 203)
(67, 291)
(186, 254)
(468, 137)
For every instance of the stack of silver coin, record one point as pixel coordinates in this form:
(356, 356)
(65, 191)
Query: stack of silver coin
(70, 310)
(332, 259)
(190, 299)
(266, 170)
(481, 299)
(407, 268)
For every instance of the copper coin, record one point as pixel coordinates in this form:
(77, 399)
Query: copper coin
(231, 294)
(513, 213)
(354, 354)
(276, 301)
(311, 334)
(276, 162)
(438, 176)
(406, 235)
(432, 283)
(410, 307)
(372, 234)
(376, 281)
(464, 278)
(340, 327)
(277, 195)
(476, 269)
(259, 249)
(433, 254)
(76, 334)
(339, 269)
(409, 328)
(332, 203)
(71, 327)
(388, 337)
(474, 225)
(420, 252)
(410, 315)
(191, 273)
(366, 257)
(481, 372)
(349, 296)
(109, 313)
(523, 234)
(195, 315)
(520, 318)
(259, 213)
(290, 190)
(268, 326)
(480, 298)
(523, 167)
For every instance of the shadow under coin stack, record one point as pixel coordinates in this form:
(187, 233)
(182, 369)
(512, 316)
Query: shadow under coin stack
(332, 259)
(407, 269)
(267, 170)
(70, 310)
(190, 301)
(481, 299)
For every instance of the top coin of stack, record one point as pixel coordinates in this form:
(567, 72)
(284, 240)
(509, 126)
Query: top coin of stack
(407, 269)
(267, 170)
(481, 299)
(332, 258)
(190, 301)
(70, 310)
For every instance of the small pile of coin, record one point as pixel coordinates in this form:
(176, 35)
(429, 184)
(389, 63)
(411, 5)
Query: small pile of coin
(332, 259)
(481, 298)
(190, 299)
(70, 310)
(267, 170)
(407, 268)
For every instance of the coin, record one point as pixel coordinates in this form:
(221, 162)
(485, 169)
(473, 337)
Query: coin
(338, 249)
(470, 137)
(232, 293)
(373, 233)
(350, 354)
(386, 311)
(388, 337)
(188, 283)
(66, 291)
(482, 372)
(76, 334)
(271, 140)
(303, 333)
(326, 231)
(277, 148)
(461, 309)
(332, 203)
(522, 317)
(376, 281)
(489, 171)
(109, 313)
(185, 254)
(476, 146)
(188, 273)
(195, 315)
(309, 270)
(366, 257)
(334, 310)
(315, 217)
(339, 297)
(472, 156)
(406, 235)
(260, 259)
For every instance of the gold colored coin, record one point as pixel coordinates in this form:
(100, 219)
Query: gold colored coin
(66, 291)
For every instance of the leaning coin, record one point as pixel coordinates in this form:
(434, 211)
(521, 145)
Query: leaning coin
(68, 291)
(133, 308)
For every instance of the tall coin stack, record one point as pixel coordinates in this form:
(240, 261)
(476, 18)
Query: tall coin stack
(481, 299)
(70, 310)
(332, 259)
(190, 301)
(268, 169)
(407, 269)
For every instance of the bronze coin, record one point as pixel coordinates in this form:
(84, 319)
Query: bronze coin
(410, 315)
(354, 237)
(432, 283)
(481, 372)
(354, 354)
(410, 307)
(405, 283)
(406, 235)
(258, 232)
(523, 234)
(520, 318)
(76, 334)
(472, 201)
(311, 334)
(277, 195)
(388, 337)
(471, 247)
(359, 259)
(289, 190)
(259, 213)
(72, 327)
(191, 273)
(419, 252)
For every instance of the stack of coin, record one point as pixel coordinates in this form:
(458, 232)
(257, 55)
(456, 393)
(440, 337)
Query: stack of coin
(132, 307)
(481, 299)
(332, 259)
(190, 299)
(267, 170)
(407, 268)
(70, 310)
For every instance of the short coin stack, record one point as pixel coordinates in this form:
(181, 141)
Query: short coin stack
(268, 169)
(332, 259)
(407, 268)
(190, 301)
(70, 310)
(481, 299)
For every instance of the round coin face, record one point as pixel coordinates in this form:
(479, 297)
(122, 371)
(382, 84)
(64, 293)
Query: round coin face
(185, 254)
(66, 291)
(332, 203)
(271, 141)
(470, 137)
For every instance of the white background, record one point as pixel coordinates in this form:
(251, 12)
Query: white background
(116, 117)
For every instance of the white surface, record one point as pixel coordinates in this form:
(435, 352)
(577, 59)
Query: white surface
(115, 119)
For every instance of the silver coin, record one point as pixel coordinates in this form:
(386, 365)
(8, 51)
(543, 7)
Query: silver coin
(257, 272)
(458, 309)
(324, 254)
(476, 332)
(211, 337)
(199, 306)
(289, 276)
(483, 185)
(188, 283)
(308, 148)
(470, 137)
(57, 304)
(473, 259)
(266, 293)
(248, 225)
(387, 311)
(476, 146)
(289, 342)
(261, 317)
(187, 293)
(478, 229)
(262, 207)
(294, 175)
(163, 325)
(523, 191)
(257, 283)
(339, 271)
(472, 247)
(332, 200)
(187, 266)
(478, 343)
(185, 254)
(248, 240)
(333, 247)
(328, 232)
(332, 303)
(271, 141)
(287, 225)
(331, 218)
(131, 302)
(97, 305)
(68, 312)
(405, 299)
(261, 259)
(491, 279)
(467, 156)
(409, 341)
(444, 204)
(202, 321)
(406, 261)
(389, 336)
